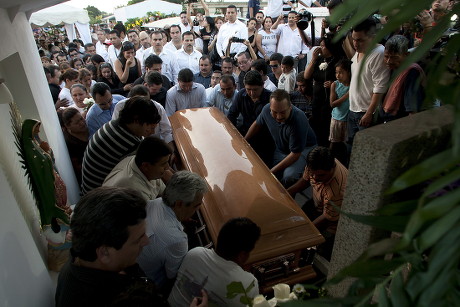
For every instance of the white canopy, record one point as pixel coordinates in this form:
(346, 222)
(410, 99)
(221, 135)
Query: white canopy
(69, 16)
(59, 14)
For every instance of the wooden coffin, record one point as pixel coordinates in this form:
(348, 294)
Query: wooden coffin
(241, 185)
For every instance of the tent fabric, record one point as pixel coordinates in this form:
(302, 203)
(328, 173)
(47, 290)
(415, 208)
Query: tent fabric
(85, 34)
(70, 30)
(59, 14)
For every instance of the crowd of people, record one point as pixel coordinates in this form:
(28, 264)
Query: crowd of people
(298, 100)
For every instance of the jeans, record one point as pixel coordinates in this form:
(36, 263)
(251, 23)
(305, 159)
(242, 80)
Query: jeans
(293, 172)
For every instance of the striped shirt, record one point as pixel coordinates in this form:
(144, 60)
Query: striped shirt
(108, 146)
(330, 191)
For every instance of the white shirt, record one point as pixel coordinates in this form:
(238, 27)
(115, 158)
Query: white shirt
(274, 8)
(113, 54)
(185, 60)
(236, 29)
(170, 47)
(203, 268)
(372, 79)
(65, 94)
(102, 51)
(184, 28)
(290, 42)
(163, 130)
(269, 85)
(140, 55)
(169, 67)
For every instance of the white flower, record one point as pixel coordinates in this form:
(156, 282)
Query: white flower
(89, 101)
(282, 291)
(323, 66)
(298, 288)
(260, 301)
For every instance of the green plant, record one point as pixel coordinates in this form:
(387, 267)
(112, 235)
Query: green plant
(424, 266)
(236, 287)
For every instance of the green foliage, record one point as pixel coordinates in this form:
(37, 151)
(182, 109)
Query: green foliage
(130, 2)
(95, 15)
(236, 288)
(421, 267)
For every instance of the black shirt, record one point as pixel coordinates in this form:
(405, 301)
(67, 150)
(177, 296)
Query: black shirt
(55, 90)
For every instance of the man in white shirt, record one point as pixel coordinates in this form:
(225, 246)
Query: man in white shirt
(274, 9)
(368, 86)
(213, 270)
(168, 243)
(290, 42)
(144, 40)
(169, 67)
(115, 48)
(188, 56)
(176, 39)
(185, 21)
(232, 28)
(100, 47)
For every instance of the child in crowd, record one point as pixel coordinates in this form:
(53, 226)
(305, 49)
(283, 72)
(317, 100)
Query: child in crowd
(341, 105)
(287, 78)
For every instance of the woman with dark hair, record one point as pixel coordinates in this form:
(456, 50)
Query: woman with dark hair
(322, 70)
(109, 77)
(266, 41)
(96, 59)
(87, 59)
(76, 137)
(207, 33)
(127, 66)
(76, 63)
(252, 32)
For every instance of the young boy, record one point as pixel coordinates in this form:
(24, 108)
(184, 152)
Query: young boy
(287, 78)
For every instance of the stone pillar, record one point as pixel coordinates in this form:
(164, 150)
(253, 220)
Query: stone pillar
(380, 154)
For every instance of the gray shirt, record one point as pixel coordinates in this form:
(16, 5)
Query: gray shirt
(177, 100)
(218, 100)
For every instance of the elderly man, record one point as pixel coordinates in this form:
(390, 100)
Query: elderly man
(144, 45)
(406, 93)
(108, 233)
(223, 95)
(186, 94)
(214, 269)
(292, 134)
(232, 28)
(162, 257)
(328, 178)
(143, 172)
(104, 105)
(116, 139)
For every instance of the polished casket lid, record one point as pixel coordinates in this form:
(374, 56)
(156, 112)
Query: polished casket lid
(240, 184)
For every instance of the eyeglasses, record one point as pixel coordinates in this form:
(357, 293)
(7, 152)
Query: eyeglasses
(274, 66)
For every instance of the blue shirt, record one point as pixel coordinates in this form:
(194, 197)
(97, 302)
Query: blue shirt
(294, 135)
(341, 112)
(255, 4)
(96, 117)
(205, 81)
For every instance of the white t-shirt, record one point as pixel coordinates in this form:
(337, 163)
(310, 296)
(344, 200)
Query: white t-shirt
(274, 8)
(203, 268)
(373, 79)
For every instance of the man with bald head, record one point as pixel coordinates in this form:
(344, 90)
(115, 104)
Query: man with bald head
(144, 43)
(292, 134)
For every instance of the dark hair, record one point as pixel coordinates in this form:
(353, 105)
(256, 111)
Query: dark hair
(205, 57)
(288, 60)
(81, 86)
(176, 26)
(253, 77)
(152, 59)
(345, 64)
(237, 235)
(368, 26)
(139, 90)
(153, 77)
(93, 70)
(133, 31)
(228, 60)
(185, 75)
(66, 116)
(280, 95)
(212, 24)
(300, 77)
(276, 57)
(227, 78)
(73, 62)
(260, 65)
(102, 217)
(102, 66)
(86, 57)
(335, 48)
(320, 158)
(263, 22)
(96, 59)
(245, 53)
(120, 28)
(125, 47)
(151, 150)
(139, 109)
(231, 6)
(250, 19)
(69, 74)
(88, 45)
(188, 33)
(83, 72)
(99, 88)
(116, 32)
(73, 47)
(52, 69)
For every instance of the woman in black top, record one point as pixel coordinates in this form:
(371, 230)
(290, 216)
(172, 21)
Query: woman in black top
(108, 76)
(127, 67)
(207, 33)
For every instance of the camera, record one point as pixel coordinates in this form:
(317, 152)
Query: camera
(305, 18)
(237, 40)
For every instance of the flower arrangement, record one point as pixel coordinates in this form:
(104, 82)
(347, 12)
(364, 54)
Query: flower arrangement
(88, 103)
(323, 66)
(282, 294)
